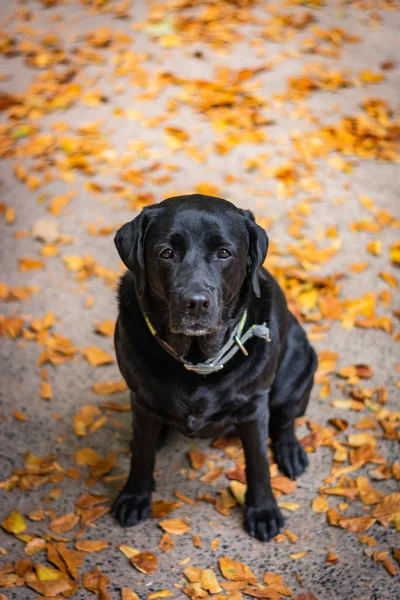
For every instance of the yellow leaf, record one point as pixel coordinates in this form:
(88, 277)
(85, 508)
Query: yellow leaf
(292, 506)
(238, 490)
(370, 77)
(45, 573)
(395, 253)
(128, 551)
(390, 279)
(209, 582)
(14, 523)
(160, 594)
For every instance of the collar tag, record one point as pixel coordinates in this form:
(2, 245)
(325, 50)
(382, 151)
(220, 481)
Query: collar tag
(203, 368)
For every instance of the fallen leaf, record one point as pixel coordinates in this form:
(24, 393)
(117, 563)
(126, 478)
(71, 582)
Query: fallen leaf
(64, 523)
(14, 523)
(145, 562)
(175, 526)
(91, 545)
(96, 356)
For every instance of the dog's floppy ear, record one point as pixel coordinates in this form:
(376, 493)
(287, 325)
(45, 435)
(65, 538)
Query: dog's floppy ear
(129, 241)
(258, 248)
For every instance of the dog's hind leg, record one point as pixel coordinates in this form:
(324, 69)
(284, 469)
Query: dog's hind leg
(289, 397)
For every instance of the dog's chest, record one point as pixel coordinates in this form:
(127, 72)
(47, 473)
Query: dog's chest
(204, 412)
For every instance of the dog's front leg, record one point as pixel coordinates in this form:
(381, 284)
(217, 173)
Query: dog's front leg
(134, 502)
(263, 518)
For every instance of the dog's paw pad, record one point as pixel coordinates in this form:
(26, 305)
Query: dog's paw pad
(291, 458)
(263, 522)
(129, 509)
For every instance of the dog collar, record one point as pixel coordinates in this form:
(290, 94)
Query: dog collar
(212, 365)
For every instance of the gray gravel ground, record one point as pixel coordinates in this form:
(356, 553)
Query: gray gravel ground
(355, 576)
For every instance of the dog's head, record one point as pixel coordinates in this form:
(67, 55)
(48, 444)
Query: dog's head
(194, 253)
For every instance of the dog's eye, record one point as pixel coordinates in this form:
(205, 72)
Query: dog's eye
(223, 253)
(167, 253)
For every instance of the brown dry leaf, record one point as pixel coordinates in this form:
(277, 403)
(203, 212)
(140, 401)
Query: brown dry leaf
(175, 526)
(162, 508)
(91, 545)
(72, 558)
(368, 495)
(106, 388)
(197, 459)
(64, 523)
(166, 543)
(88, 500)
(34, 546)
(36, 515)
(197, 541)
(212, 475)
(367, 539)
(332, 558)
(96, 356)
(14, 523)
(356, 524)
(145, 562)
(262, 592)
(235, 570)
(283, 484)
(49, 589)
(224, 502)
(389, 506)
(185, 498)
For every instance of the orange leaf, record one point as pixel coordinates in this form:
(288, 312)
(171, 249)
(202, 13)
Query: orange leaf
(96, 357)
(175, 526)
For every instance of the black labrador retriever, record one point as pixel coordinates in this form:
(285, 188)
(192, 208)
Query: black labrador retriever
(205, 342)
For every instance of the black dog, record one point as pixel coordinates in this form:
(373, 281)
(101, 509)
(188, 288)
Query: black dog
(205, 341)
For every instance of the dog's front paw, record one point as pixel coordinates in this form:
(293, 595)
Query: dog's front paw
(263, 522)
(291, 457)
(129, 509)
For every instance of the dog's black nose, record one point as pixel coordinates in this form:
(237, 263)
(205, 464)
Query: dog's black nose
(197, 304)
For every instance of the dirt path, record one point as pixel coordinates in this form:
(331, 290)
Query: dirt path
(106, 107)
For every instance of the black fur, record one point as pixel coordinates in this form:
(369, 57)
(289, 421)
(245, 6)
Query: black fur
(258, 395)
